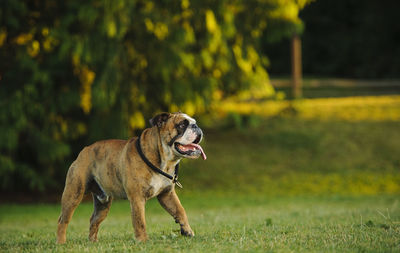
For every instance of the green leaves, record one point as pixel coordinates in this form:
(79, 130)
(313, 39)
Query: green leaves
(75, 72)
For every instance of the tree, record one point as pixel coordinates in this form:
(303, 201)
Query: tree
(74, 72)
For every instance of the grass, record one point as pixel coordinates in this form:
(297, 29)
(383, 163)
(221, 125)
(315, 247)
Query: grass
(327, 146)
(222, 224)
(367, 108)
(294, 156)
(329, 91)
(317, 175)
(332, 87)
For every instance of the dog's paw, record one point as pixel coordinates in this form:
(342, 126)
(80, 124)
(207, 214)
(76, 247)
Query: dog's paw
(93, 238)
(141, 239)
(187, 232)
(61, 241)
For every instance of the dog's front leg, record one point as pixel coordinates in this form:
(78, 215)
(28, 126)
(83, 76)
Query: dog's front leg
(171, 203)
(138, 218)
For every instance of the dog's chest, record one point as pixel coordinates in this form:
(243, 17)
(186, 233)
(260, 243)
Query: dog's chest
(157, 185)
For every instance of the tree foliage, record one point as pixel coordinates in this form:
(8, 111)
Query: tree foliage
(73, 72)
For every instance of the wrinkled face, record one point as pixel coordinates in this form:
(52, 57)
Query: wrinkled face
(180, 133)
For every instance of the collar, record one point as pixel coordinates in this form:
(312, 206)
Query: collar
(174, 178)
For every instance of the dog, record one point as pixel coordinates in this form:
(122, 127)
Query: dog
(137, 169)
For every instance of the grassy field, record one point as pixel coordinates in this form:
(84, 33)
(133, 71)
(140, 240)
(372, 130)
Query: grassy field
(318, 88)
(221, 224)
(317, 175)
(345, 146)
(352, 109)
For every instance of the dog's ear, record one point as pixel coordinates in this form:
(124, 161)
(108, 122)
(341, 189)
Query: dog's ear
(160, 119)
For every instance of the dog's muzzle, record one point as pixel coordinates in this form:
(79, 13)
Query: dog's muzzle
(192, 149)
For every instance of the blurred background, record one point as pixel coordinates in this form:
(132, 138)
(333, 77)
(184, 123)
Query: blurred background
(296, 97)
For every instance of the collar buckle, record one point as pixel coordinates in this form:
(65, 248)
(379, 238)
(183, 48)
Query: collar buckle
(176, 182)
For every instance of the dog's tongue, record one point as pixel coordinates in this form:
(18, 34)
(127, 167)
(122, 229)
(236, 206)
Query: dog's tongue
(198, 147)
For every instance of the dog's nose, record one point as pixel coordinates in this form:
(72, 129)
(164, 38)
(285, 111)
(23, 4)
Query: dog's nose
(194, 126)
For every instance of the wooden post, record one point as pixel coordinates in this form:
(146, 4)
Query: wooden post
(296, 66)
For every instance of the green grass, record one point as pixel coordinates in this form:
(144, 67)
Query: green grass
(323, 177)
(295, 156)
(318, 92)
(314, 87)
(351, 109)
(222, 224)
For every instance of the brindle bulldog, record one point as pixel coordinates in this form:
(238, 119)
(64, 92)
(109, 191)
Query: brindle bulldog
(137, 169)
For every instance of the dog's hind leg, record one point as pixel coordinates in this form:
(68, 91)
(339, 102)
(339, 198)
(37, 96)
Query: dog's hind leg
(73, 193)
(100, 212)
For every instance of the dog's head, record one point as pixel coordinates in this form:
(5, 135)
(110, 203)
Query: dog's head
(180, 133)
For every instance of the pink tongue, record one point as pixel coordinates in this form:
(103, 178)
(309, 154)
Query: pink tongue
(196, 146)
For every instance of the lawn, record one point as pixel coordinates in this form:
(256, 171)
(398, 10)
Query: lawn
(222, 224)
(301, 153)
(317, 175)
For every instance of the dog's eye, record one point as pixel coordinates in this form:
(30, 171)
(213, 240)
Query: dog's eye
(183, 124)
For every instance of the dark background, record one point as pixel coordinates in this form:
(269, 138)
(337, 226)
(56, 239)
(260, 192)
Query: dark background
(348, 39)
